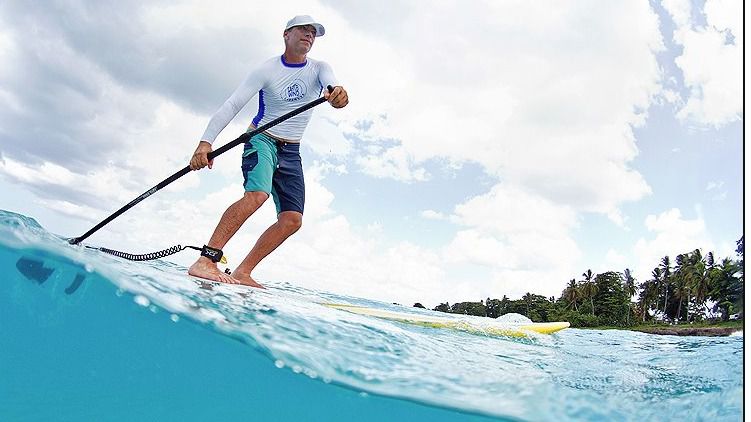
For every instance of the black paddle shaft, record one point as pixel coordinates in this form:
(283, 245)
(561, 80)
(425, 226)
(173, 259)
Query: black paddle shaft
(213, 154)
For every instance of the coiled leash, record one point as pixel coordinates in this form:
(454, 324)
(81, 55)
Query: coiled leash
(215, 255)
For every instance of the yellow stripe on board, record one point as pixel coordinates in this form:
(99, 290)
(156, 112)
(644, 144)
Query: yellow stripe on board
(461, 325)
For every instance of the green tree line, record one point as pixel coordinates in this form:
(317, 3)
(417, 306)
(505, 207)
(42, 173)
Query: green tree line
(684, 289)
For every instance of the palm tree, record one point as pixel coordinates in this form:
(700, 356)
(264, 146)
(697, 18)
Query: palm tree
(689, 269)
(528, 301)
(665, 269)
(650, 292)
(681, 278)
(696, 280)
(588, 275)
(703, 284)
(589, 288)
(629, 283)
(571, 293)
(727, 287)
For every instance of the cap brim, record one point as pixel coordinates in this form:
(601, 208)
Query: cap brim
(320, 30)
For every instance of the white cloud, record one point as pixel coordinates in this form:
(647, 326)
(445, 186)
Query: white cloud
(617, 218)
(523, 238)
(148, 154)
(720, 196)
(433, 215)
(47, 173)
(393, 163)
(508, 209)
(70, 210)
(613, 259)
(519, 282)
(710, 62)
(331, 255)
(671, 96)
(714, 185)
(476, 248)
(672, 234)
(717, 190)
(552, 119)
(679, 10)
(46, 177)
(324, 136)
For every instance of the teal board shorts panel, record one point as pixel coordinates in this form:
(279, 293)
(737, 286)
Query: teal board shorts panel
(274, 168)
(259, 162)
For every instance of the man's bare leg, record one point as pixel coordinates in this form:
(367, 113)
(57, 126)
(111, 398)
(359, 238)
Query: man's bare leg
(231, 220)
(287, 223)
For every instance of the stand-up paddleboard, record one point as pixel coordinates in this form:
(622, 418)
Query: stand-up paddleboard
(521, 330)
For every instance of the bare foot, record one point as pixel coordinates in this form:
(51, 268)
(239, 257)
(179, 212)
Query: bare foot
(204, 268)
(245, 279)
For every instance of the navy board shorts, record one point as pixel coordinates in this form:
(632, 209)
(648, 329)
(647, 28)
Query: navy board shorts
(274, 167)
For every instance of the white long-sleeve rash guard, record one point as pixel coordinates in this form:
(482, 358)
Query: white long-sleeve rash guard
(281, 88)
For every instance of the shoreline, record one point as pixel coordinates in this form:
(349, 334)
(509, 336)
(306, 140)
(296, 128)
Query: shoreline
(720, 330)
(690, 331)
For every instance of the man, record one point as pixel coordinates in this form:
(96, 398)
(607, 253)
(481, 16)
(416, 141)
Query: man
(271, 161)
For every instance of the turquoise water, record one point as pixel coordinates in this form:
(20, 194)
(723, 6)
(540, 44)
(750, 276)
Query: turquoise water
(87, 336)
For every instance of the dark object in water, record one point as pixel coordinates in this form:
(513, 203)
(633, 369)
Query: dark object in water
(34, 270)
(75, 285)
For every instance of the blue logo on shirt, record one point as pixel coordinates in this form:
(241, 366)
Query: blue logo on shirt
(294, 91)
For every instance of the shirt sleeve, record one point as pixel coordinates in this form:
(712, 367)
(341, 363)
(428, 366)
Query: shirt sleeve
(326, 75)
(247, 90)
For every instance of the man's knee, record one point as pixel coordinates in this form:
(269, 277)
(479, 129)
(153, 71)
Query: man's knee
(290, 221)
(255, 198)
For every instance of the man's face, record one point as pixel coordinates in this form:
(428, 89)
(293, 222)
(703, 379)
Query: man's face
(301, 37)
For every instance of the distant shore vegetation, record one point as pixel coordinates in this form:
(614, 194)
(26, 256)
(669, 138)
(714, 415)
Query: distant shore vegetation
(691, 288)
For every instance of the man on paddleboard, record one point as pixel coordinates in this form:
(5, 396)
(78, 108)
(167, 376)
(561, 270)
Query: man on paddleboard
(271, 163)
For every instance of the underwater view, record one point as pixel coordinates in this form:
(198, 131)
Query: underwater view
(90, 336)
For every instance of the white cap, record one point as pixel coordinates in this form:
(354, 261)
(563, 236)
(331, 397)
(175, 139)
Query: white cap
(302, 20)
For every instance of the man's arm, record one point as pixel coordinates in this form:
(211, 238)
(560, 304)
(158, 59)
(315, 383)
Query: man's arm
(247, 90)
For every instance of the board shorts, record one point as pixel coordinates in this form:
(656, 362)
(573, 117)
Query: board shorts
(274, 167)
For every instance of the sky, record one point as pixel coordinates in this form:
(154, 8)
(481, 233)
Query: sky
(490, 148)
